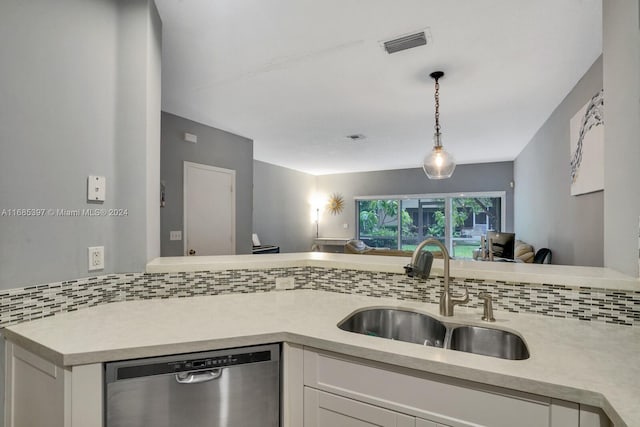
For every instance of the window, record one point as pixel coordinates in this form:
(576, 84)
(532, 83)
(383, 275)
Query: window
(422, 221)
(472, 217)
(378, 222)
(457, 220)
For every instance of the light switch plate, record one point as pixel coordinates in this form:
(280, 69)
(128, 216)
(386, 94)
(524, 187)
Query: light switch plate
(175, 235)
(96, 188)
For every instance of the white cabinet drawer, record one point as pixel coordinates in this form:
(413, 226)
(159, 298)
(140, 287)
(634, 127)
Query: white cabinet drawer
(327, 410)
(440, 399)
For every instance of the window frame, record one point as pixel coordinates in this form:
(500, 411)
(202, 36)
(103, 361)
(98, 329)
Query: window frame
(448, 207)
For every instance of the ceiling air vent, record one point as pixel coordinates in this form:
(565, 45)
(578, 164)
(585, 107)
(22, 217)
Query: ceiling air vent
(405, 42)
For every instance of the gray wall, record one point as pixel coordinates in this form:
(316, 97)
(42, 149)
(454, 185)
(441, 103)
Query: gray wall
(154, 98)
(281, 207)
(621, 71)
(79, 95)
(215, 148)
(74, 101)
(466, 178)
(137, 148)
(546, 214)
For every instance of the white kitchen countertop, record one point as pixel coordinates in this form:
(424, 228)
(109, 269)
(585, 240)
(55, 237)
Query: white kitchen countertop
(574, 276)
(586, 362)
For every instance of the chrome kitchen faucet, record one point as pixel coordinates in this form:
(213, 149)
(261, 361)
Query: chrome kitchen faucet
(447, 301)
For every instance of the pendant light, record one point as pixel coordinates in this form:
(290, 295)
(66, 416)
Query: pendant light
(439, 164)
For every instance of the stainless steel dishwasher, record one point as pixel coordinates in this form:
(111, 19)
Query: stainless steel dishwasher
(227, 388)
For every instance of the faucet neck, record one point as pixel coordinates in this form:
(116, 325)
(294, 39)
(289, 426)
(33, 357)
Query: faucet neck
(447, 301)
(445, 255)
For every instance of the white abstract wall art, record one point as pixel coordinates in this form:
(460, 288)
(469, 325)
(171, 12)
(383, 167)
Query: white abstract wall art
(587, 147)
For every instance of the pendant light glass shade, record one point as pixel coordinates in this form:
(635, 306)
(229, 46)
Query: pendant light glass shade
(439, 164)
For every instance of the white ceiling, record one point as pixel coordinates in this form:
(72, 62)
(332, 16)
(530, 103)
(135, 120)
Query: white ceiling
(297, 76)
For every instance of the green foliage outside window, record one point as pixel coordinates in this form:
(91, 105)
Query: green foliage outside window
(380, 218)
(378, 221)
(462, 206)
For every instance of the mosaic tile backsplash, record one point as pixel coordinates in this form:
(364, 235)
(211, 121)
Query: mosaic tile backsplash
(589, 304)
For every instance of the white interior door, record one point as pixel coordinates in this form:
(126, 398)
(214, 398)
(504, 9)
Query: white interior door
(209, 210)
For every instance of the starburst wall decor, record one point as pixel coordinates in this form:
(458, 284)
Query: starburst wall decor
(335, 205)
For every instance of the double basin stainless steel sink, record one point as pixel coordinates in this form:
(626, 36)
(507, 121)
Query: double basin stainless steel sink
(419, 328)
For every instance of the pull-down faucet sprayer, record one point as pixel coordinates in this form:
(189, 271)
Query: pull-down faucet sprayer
(447, 301)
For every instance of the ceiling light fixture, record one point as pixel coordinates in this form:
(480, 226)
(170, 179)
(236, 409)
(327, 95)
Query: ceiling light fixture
(439, 164)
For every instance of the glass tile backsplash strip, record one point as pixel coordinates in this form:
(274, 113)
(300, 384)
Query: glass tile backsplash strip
(588, 304)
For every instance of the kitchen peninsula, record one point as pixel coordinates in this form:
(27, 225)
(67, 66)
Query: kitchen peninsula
(575, 367)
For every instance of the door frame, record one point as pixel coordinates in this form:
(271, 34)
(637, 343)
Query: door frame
(230, 172)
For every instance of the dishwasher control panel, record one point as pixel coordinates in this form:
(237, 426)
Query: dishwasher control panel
(175, 366)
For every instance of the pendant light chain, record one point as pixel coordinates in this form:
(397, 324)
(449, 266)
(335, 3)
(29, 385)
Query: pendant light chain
(439, 164)
(437, 97)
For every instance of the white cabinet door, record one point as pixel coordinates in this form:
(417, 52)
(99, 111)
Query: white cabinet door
(327, 410)
(39, 393)
(35, 394)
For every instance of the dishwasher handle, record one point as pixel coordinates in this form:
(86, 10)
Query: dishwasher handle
(199, 376)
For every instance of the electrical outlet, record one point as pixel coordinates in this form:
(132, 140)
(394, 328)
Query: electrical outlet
(96, 258)
(345, 226)
(284, 283)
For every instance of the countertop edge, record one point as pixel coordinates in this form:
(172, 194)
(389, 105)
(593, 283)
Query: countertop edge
(558, 391)
(52, 345)
(571, 276)
(38, 349)
(172, 348)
